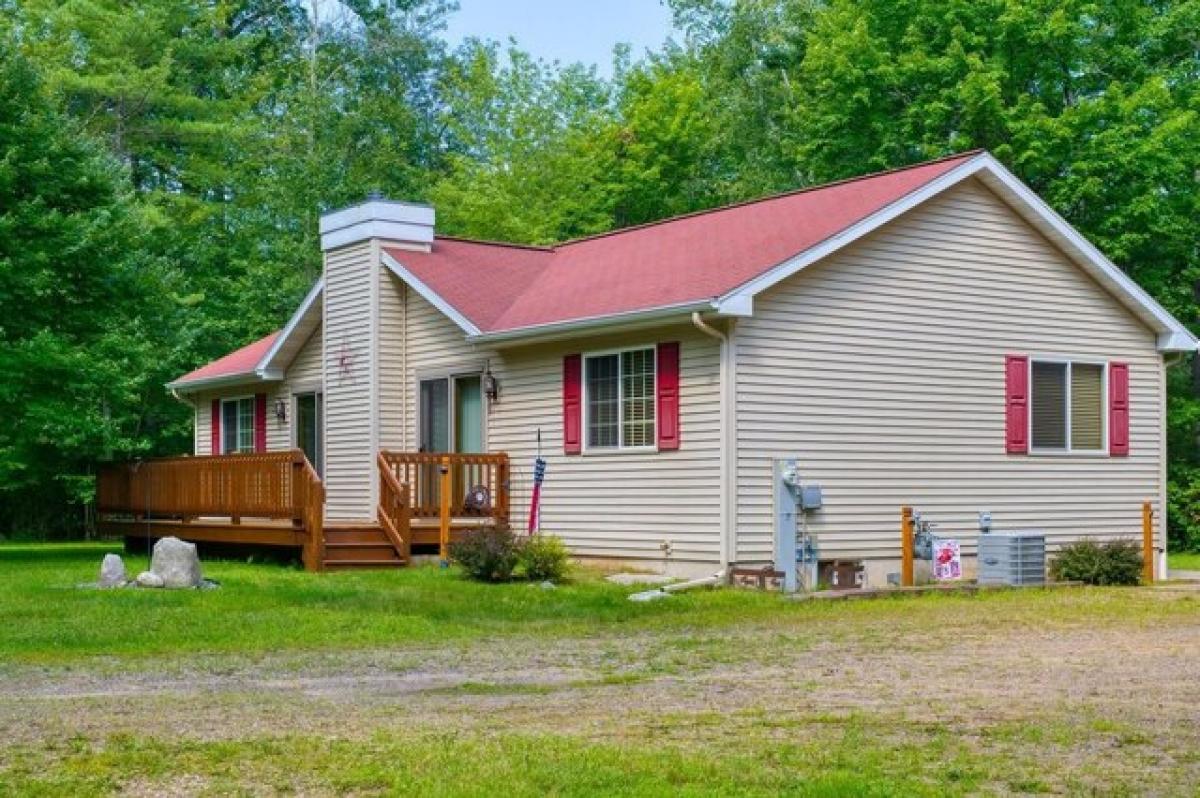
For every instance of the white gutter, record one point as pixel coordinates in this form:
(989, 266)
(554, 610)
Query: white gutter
(536, 332)
(728, 418)
(266, 375)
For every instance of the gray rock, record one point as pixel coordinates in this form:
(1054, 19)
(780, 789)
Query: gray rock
(149, 579)
(175, 561)
(112, 571)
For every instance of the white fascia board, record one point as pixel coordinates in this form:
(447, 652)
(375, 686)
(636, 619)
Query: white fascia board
(588, 324)
(267, 363)
(429, 295)
(1173, 335)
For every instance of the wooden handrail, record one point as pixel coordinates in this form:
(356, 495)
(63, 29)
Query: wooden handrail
(394, 510)
(421, 472)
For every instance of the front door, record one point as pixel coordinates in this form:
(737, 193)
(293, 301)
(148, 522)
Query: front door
(451, 414)
(451, 421)
(310, 428)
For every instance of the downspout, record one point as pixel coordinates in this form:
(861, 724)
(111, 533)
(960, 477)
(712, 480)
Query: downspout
(728, 441)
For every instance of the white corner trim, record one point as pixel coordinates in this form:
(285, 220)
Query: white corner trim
(428, 294)
(264, 364)
(1173, 335)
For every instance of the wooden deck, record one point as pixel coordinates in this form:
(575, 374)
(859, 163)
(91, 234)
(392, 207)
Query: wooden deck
(276, 499)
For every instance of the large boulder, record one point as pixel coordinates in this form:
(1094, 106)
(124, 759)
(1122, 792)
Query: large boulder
(112, 571)
(176, 562)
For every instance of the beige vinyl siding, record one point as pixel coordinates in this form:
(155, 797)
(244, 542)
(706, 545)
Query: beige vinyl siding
(612, 504)
(882, 370)
(303, 374)
(391, 360)
(436, 347)
(616, 504)
(350, 415)
(202, 443)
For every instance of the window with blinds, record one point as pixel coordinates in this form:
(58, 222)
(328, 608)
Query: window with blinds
(1087, 406)
(1066, 405)
(237, 425)
(619, 399)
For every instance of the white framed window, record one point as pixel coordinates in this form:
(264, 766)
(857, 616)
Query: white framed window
(1067, 405)
(237, 425)
(619, 399)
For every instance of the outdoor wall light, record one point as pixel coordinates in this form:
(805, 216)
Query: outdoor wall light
(281, 411)
(491, 386)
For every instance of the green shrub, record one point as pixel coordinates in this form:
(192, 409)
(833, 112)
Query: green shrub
(1116, 563)
(544, 557)
(489, 555)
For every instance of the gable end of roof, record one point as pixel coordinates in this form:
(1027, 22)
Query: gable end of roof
(1173, 336)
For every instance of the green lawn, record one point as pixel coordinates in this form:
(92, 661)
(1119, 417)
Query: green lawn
(44, 618)
(419, 682)
(1183, 561)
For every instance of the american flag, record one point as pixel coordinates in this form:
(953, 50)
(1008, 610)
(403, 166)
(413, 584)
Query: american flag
(535, 506)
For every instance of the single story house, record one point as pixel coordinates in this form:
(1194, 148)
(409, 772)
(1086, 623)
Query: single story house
(933, 336)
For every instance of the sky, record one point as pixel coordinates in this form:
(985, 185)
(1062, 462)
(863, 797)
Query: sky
(565, 30)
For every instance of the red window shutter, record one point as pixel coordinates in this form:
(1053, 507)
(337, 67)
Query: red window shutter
(260, 422)
(1016, 402)
(668, 396)
(216, 426)
(572, 393)
(1118, 409)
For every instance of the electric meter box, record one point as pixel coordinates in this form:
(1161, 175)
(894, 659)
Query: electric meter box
(810, 497)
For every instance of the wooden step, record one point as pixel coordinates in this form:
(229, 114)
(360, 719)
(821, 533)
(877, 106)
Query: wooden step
(335, 565)
(360, 551)
(355, 534)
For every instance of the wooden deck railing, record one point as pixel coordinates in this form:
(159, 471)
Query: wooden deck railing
(422, 473)
(395, 509)
(273, 486)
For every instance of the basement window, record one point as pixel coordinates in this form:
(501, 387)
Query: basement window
(1066, 406)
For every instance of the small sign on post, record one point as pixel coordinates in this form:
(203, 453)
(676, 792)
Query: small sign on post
(947, 559)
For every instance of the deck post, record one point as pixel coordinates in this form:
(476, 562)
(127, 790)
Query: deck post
(444, 511)
(906, 546)
(1147, 542)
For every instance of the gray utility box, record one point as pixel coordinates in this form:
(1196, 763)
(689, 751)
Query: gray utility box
(1012, 558)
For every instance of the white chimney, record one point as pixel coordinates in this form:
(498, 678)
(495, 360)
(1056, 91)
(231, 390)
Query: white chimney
(405, 223)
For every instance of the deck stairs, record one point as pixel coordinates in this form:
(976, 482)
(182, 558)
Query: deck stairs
(359, 544)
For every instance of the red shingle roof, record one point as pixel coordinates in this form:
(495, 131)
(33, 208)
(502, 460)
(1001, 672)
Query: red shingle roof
(677, 261)
(241, 361)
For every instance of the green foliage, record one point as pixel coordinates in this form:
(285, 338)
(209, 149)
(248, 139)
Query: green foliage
(543, 557)
(489, 555)
(179, 153)
(1118, 562)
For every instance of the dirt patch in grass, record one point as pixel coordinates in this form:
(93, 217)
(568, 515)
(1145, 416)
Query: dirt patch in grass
(1093, 692)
